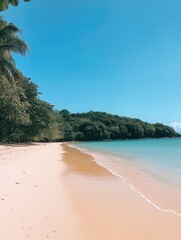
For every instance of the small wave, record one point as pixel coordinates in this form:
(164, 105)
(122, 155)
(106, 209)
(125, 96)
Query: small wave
(129, 184)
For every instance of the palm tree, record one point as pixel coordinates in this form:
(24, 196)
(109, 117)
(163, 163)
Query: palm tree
(13, 102)
(5, 3)
(10, 42)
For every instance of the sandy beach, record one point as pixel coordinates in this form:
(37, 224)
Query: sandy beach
(54, 191)
(33, 202)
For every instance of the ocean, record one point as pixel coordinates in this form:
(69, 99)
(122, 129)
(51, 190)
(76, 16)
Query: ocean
(152, 167)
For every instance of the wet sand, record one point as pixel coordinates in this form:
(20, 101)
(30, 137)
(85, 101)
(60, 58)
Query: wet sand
(109, 208)
(53, 191)
(164, 196)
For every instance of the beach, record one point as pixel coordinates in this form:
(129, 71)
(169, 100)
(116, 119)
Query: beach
(33, 202)
(55, 191)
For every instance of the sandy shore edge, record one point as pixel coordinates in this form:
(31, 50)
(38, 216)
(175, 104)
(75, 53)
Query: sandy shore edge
(110, 208)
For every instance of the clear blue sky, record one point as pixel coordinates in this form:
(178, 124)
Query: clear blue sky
(118, 56)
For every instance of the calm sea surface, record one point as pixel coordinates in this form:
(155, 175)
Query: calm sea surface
(158, 158)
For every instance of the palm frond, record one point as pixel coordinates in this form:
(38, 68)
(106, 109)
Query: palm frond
(16, 73)
(6, 55)
(6, 71)
(8, 28)
(14, 44)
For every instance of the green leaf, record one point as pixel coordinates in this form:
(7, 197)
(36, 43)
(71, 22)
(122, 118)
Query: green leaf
(4, 5)
(14, 2)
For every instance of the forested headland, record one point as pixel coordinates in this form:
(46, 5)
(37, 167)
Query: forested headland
(25, 117)
(93, 126)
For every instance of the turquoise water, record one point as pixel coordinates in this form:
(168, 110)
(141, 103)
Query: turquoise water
(158, 158)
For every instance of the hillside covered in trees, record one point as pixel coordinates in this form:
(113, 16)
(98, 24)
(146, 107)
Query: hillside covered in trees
(93, 126)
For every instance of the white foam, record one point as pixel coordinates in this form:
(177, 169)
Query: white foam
(129, 184)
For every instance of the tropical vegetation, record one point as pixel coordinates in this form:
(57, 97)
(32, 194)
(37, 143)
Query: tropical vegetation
(22, 114)
(93, 126)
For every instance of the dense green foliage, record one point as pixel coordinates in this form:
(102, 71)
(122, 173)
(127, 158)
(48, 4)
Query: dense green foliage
(5, 3)
(23, 116)
(93, 126)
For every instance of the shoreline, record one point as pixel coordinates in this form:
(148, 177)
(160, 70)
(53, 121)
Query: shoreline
(118, 206)
(139, 181)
